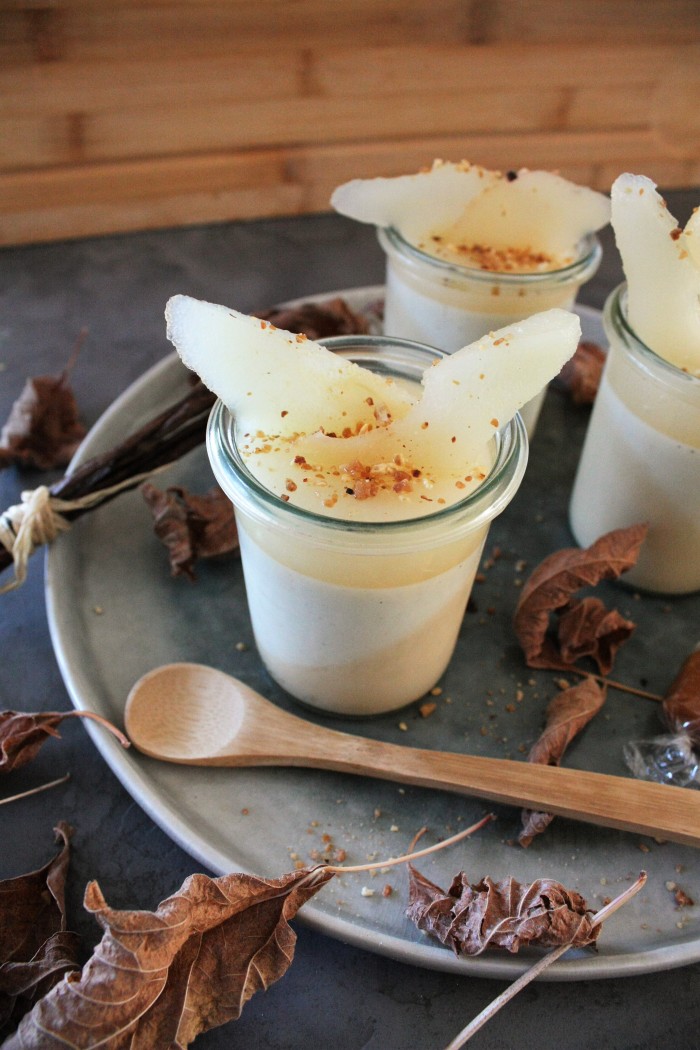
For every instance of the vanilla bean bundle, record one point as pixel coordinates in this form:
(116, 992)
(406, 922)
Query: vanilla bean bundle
(162, 440)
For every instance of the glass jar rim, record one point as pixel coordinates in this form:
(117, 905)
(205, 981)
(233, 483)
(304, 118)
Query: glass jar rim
(615, 313)
(469, 513)
(579, 270)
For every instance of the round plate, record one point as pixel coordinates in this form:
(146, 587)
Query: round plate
(115, 613)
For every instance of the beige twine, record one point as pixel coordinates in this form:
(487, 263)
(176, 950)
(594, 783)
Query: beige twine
(39, 519)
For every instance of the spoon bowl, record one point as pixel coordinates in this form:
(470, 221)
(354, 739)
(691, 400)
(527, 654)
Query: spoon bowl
(196, 715)
(187, 713)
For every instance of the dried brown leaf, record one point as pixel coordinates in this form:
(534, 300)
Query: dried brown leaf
(589, 628)
(159, 979)
(535, 822)
(43, 429)
(567, 714)
(553, 582)
(191, 526)
(36, 949)
(681, 704)
(22, 734)
(318, 320)
(581, 374)
(504, 914)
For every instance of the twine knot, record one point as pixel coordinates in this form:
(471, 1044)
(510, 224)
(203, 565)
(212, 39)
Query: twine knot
(40, 517)
(35, 521)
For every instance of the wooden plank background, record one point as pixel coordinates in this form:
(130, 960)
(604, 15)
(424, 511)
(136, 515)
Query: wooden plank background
(132, 114)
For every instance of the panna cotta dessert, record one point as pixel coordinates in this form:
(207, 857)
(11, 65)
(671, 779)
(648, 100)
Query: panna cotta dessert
(364, 473)
(469, 250)
(641, 457)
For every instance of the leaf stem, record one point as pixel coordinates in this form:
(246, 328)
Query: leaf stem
(392, 861)
(621, 686)
(537, 968)
(123, 740)
(36, 790)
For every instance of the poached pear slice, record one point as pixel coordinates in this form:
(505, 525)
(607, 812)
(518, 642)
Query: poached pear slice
(414, 204)
(537, 210)
(661, 266)
(273, 381)
(467, 396)
(470, 394)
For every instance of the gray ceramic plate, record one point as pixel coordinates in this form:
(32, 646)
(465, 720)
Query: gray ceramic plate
(262, 820)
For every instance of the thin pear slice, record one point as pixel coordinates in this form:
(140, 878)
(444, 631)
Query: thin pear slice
(474, 392)
(537, 210)
(691, 237)
(467, 396)
(273, 381)
(663, 280)
(414, 204)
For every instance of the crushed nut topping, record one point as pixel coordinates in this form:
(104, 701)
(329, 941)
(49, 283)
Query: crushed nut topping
(364, 480)
(499, 260)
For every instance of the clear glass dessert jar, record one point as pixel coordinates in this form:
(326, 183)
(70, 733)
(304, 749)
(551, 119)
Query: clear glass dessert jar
(357, 617)
(641, 459)
(448, 305)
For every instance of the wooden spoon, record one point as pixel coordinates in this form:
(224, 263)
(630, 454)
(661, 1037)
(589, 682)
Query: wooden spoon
(196, 715)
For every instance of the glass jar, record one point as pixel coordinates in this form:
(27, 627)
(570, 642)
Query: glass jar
(641, 459)
(357, 617)
(447, 305)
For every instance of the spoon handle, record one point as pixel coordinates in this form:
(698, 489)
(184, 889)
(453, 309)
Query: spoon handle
(198, 716)
(617, 802)
(632, 805)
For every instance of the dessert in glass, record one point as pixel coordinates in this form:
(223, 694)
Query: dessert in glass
(641, 457)
(470, 250)
(364, 479)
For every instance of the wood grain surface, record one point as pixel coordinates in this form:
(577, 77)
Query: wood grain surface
(135, 114)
